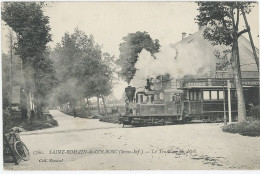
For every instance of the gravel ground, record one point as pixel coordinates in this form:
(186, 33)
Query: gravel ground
(85, 144)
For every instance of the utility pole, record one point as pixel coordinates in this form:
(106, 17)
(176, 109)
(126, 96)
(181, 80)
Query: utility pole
(11, 60)
(104, 103)
(251, 40)
(224, 104)
(229, 101)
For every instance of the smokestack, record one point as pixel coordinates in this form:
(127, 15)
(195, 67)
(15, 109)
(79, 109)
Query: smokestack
(130, 92)
(183, 35)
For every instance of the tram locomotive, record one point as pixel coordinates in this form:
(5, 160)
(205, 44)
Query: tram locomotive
(154, 107)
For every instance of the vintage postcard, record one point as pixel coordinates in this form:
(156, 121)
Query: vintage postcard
(159, 85)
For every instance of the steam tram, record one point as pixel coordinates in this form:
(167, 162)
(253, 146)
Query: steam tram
(181, 102)
(161, 107)
(157, 105)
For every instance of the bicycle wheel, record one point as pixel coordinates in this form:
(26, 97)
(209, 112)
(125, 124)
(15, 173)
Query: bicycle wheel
(21, 150)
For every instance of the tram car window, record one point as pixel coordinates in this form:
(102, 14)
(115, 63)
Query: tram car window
(175, 97)
(198, 95)
(233, 95)
(141, 98)
(220, 95)
(186, 96)
(214, 95)
(206, 95)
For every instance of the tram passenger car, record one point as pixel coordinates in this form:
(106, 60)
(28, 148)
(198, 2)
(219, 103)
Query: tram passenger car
(207, 99)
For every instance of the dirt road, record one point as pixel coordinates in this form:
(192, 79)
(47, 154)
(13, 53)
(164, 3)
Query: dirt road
(85, 144)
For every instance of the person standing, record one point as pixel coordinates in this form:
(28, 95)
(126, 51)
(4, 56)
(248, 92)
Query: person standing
(74, 111)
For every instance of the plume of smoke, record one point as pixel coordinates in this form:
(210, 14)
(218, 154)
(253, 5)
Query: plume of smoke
(176, 61)
(65, 92)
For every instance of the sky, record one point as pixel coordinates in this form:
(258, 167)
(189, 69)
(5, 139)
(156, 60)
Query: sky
(109, 22)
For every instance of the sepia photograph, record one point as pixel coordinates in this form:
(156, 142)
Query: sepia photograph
(130, 86)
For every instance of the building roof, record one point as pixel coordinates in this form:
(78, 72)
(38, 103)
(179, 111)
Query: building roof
(196, 43)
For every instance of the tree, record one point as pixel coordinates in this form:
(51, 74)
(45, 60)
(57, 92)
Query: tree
(46, 80)
(31, 27)
(71, 63)
(105, 78)
(32, 31)
(94, 74)
(129, 50)
(222, 21)
(5, 79)
(79, 59)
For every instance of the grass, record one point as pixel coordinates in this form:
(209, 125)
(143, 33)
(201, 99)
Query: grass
(246, 128)
(82, 113)
(38, 123)
(110, 118)
(86, 113)
(34, 124)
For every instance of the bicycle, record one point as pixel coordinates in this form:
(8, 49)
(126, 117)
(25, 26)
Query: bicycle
(19, 147)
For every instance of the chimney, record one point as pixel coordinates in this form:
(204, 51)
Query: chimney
(183, 35)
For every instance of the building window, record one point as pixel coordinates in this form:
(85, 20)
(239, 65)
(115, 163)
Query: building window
(206, 95)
